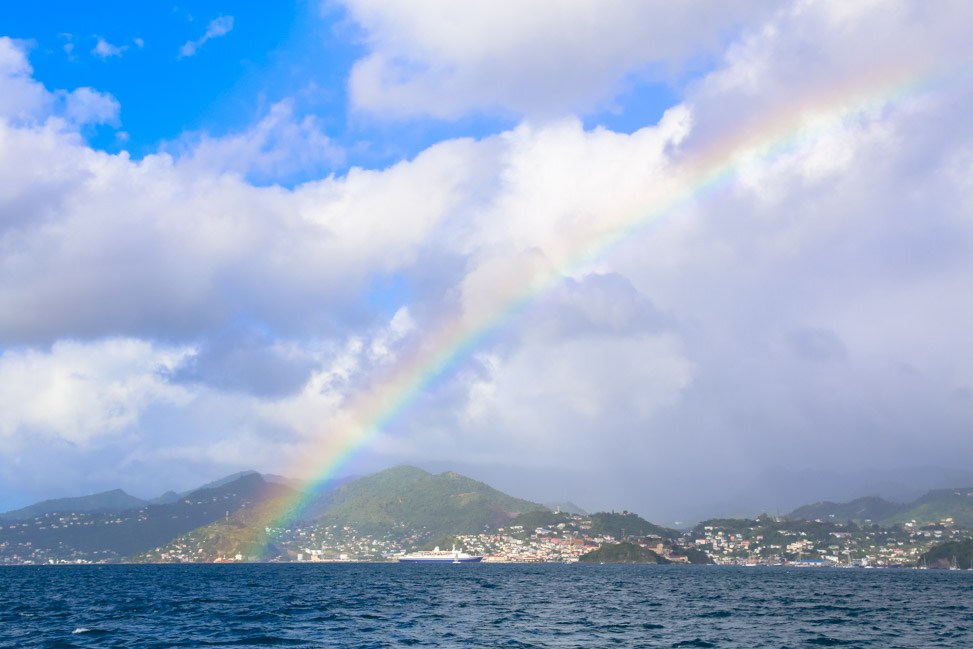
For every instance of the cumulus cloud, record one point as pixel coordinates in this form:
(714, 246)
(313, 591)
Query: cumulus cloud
(220, 26)
(248, 362)
(81, 392)
(775, 273)
(21, 97)
(26, 102)
(87, 106)
(280, 145)
(105, 50)
(552, 58)
(101, 245)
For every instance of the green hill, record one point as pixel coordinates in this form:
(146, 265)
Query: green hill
(622, 553)
(627, 524)
(946, 555)
(409, 499)
(539, 518)
(937, 506)
(240, 532)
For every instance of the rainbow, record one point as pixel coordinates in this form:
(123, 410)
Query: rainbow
(703, 172)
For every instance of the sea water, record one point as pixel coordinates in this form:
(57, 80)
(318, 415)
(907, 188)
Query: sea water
(481, 605)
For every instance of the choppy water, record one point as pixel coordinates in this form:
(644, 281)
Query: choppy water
(482, 606)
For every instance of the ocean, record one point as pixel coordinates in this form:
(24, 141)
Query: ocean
(481, 605)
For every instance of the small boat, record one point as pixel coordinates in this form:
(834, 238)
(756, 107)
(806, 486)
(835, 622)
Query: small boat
(440, 556)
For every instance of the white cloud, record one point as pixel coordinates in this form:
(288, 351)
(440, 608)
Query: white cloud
(382, 346)
(547, 58)
(24, 101)
(105, 50)
(814, 300)
(87, 106)
(279, 145)
(81, 392)
(96, 244)
(220, 26)
(21, 97)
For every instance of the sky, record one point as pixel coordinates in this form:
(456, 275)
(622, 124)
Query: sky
(675, 258)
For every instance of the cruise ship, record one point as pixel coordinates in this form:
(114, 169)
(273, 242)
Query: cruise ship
(439, 556)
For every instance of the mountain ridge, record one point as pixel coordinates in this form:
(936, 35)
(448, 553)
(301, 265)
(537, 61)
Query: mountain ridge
(933, 507)
(409, 497)
(111, 501)
(116, 535)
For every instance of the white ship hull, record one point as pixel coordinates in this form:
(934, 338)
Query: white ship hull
(440, 556)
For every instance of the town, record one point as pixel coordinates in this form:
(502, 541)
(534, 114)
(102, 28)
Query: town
(760, 541)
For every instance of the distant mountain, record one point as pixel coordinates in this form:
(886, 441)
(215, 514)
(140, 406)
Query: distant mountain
(938, 505)
(777, 490)
(113, 536)
(293, 483)
(112, 501)
(233, 477)
(933, 507)
(171, 496)
(867, 509)
(116, 500)
(407, 498)
(166, 498)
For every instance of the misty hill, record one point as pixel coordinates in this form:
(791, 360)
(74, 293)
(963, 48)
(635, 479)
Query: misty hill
(869, 508)
(938, 505)
(409, 499)
(935, 506)
(166, 498)
(566, 507)
(106, 502)
(111, 536)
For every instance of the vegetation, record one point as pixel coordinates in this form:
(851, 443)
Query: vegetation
(410, 499)
(240, 533)
(957, 554)
(626, 524)
(934, 507)
(403, 508)
(112, 536)
(105, 502)
(622, 553)
(696, 556)
(860, 510)
(539, 518)
(937, 506)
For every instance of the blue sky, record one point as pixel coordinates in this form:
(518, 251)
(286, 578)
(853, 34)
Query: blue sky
(301, 51)
(223, 228)
(223, 87)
